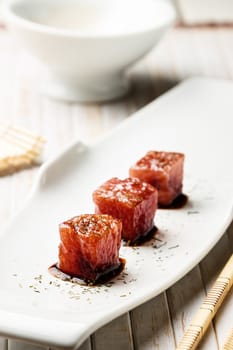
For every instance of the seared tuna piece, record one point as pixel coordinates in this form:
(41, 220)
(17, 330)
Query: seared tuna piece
(132, 201)
(163, 170)
(89, 246)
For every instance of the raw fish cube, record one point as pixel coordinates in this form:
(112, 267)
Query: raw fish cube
(132, 201)
(163, 170)
(89, 246)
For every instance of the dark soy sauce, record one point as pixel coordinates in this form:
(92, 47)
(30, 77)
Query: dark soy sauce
(143, 239)
(178, 203)
(103, 277)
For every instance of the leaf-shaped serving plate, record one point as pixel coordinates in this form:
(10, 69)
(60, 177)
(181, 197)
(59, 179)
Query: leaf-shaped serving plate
(195, 118)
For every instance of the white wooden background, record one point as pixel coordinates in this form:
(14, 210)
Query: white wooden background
(160, 323)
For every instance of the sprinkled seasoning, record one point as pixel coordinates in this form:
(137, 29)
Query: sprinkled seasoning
(158, 246)
(173, 247)
(192, 212)
(85, 293)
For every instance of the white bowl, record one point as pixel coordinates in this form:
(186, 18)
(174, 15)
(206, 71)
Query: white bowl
(88, 44)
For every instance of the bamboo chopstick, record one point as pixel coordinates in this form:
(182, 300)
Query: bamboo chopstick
(208, 309)
(228, 345)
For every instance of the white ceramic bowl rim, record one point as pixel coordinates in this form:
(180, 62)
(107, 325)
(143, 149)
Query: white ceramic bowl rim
(13, 17)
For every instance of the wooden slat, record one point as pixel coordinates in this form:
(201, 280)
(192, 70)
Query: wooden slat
(112, 114)
(3, 344)
(184, 299)
(163, 75)
(142, 91)
(209, 53)
(57, 125)
(210, 268)
(225, 49)
(87, 122)
(217, 292)
(114, 336)
(6, 193)
(152, 329)
(18, 345)
(230, 237)
(199, 12)
(224, 318)
(86, 345)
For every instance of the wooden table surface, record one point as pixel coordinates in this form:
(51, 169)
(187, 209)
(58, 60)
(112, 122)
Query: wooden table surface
(184, 52)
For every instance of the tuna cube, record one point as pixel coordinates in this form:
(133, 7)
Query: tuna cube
(130, 200)
(164, 170)
(89, 246)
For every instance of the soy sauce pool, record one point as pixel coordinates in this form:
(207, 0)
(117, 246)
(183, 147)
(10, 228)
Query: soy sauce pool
(143, 239)
(103, 277)
(178, 203)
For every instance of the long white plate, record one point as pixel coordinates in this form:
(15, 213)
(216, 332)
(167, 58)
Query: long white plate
(195, 118)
